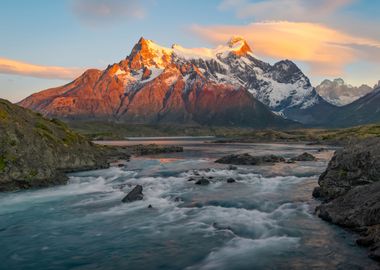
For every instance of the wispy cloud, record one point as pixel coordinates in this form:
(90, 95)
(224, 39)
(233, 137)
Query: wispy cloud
(294, 10)
(325, 49)
(99, 12)
(9, 66)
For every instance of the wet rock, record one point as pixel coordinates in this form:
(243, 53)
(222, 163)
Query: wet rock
(247, 159)
(134, 195)
(322, 150)
(375, 254)
(304, 157)
(203, 182)
(290, 161)
(232, 168)
(150, 206)
(177, 199)
(231, 180)
(191, 179)
(152, 149)
(317, 192)
(350, 188)
(221, 227)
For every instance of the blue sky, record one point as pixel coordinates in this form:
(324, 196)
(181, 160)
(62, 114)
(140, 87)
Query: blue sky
(80, 34)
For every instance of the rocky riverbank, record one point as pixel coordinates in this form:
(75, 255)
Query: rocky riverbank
(38, 152)
(350, 190)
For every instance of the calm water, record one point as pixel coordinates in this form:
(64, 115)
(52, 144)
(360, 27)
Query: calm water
(263, 221)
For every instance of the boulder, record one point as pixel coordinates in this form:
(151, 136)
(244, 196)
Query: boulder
(231, 180)
(247, 159)
(134, 195)
(203, 182)
(304, 157)
(232, 168)
(350, 190)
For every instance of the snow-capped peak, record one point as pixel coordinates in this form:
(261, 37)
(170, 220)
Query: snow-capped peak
(239, 45)
(279, 86)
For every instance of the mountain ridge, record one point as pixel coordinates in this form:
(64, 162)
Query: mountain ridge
(156, 84)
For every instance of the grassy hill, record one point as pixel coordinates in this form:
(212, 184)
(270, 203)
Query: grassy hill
(35, 151)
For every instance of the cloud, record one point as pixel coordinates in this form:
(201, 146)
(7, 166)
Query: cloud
(299, 10)
(98, 12)
(326, 50)
(9, 66)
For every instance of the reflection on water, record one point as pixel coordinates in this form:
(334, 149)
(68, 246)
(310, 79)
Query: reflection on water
(263, 221)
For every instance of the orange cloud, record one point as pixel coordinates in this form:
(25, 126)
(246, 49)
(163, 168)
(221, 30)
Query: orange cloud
(326, 50)
(9, 66)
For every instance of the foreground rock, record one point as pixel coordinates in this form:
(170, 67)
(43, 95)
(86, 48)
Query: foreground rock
(134, 195)
(37, 152)
(247, 159)
(152, 149)
(203, 182)
(304, 157)
(350, 188)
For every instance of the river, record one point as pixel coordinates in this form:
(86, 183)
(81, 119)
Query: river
(264, 220)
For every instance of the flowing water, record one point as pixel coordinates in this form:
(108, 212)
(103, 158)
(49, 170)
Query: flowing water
(263, 221)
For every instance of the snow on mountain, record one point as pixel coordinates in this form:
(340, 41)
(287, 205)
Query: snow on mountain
(179, 72)
(338, 93)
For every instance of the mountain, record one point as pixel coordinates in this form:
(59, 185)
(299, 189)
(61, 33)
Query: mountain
(338, 93)
(226, 85)
(365, 110)
(36, 151)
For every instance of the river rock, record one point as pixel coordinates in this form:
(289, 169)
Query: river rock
(350, 190)
(203, 182)
(247, 159)
(304, 157)
(231, 180)
(134, 195)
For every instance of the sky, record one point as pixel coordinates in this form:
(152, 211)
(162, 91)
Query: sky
(47, 43)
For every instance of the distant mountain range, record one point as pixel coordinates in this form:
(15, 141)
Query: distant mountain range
(225, 86)
(338, 93)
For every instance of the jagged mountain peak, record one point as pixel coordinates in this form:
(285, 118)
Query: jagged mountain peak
(239, 45)
(339, 93)
(153, 75)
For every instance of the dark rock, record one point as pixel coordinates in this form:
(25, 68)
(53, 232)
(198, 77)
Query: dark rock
(247, 159)
(322, 150)
(317, 192)
(375, 254)
(203, 181)
(134, 195)
(153, 149)
(191, 179)
(304, 157)
(210, 177)
(355, 165)
(232, 168)
(221, 227)
(150, 206)
(365, 241)
(290, 161)
(350, 188)
(120, 165)
(177, 199)
(231, 180)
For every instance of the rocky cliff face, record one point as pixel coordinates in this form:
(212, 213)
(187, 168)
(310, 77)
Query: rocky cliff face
(350, 188)
(35, 151)
(155, 84)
